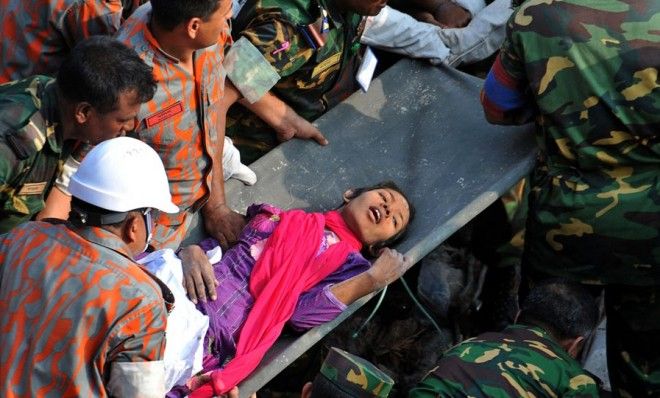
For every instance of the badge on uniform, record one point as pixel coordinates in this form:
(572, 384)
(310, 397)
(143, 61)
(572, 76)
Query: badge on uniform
(33, 188)
(162, 115)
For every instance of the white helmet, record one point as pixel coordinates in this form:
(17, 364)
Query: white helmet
(123, 174)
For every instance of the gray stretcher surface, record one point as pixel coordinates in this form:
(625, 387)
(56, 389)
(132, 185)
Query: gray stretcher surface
(418, 125)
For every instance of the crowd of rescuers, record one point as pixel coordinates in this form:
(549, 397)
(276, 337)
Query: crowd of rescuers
(171, 77)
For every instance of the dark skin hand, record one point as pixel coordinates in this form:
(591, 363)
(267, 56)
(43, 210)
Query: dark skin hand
(443, 13)
(198, 277)
(224, 224)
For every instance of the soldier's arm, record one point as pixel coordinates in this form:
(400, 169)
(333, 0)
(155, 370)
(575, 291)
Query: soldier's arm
(58, 205)
(279, 53)
(137, 347)
(506, 98)
(284, 120)
(221, 222)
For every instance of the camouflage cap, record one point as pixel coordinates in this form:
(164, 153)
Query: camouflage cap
(354, 375)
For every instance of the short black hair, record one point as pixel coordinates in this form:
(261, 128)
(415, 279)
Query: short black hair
(324, 388)
(99, 69)
(169, 14)
(375, 248)
(564, 309)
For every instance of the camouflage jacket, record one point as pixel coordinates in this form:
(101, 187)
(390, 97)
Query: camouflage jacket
(520, 361)
(314, 77)
(31, 147)
(588, 71)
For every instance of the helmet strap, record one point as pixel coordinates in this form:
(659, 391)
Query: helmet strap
(83, 217)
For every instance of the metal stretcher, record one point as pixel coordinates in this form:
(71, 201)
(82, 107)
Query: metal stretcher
(420, 126)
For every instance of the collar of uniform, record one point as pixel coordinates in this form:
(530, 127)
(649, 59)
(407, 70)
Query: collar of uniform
(529, 331)
(103, 238)
(149, 37)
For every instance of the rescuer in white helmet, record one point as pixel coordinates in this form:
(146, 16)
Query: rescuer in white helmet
(78, 317)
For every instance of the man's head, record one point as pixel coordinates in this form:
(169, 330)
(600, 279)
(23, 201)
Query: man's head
(200, 22)
(361, 7)
(564, 309)
(116, 187)
(102, 84)
(344, 375)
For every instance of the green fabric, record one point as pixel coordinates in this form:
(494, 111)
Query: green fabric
(312, 80)
(355, 375)
(520, 361)
(31, 149)
(591, 68)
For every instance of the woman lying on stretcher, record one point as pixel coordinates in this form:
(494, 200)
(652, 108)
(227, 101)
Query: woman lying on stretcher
(295, 267)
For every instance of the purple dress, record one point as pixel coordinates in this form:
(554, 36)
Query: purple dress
(234, 301)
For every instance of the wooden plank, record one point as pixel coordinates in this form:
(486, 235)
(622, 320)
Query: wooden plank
(418, 125)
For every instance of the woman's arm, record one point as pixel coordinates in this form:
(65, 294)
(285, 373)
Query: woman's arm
(353, 280)
(389, 266)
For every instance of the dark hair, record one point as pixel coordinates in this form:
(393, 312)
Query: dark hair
(564, 309)
(168, 14)
(324, 388)
(375, 248)
(99, 69)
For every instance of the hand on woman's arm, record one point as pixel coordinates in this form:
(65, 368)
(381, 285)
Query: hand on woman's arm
(198, 277)
(387, 268)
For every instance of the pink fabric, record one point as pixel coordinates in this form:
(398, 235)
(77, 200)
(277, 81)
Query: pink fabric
(288, 267)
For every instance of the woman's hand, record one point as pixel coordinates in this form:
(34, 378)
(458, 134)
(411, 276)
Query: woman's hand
(198, 277)
(388, 267)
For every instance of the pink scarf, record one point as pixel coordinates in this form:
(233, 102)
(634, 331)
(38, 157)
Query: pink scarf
(288, 266)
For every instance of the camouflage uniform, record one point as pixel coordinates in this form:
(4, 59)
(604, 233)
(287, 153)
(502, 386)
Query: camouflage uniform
(37, 35)
(78, 317)
(520, 361)
(589, 72)
(31, 147)
(312, 80)
(354, 375)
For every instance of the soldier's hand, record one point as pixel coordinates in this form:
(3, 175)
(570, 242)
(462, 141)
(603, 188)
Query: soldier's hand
(388, 267)
(224, 224)
(198, 277)
(297, 127)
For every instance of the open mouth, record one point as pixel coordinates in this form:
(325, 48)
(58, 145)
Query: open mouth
(375, 214)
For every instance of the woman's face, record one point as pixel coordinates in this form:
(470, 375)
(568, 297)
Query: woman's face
(376, 215)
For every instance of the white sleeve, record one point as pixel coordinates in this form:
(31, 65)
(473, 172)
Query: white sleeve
(70, 167)
(481, 38)
(473, 6)
(400, 33)
(137, 379)
(186, 325)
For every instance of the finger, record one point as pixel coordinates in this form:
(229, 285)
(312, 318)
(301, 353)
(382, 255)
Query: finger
(222, 240)
(320, 138)
(407, 263)
(208, 277)
(190, 288)
(233, 393)
(200, 287)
